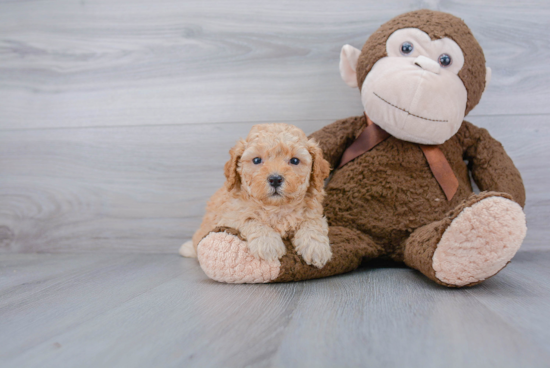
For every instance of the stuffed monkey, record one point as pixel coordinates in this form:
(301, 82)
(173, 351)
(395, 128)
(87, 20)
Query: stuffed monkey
(400, 188)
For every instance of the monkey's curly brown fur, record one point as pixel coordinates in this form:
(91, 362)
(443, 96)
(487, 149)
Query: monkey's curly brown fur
(390, 191)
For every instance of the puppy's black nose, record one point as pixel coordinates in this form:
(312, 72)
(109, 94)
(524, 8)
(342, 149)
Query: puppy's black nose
(275, 180)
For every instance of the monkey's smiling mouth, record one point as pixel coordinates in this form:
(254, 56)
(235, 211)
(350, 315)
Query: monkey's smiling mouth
(408, 112)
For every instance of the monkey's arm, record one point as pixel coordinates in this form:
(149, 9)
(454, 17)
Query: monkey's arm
(336, 137)
(492, 168)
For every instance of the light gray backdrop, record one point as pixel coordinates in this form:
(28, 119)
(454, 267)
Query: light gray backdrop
(116, 116)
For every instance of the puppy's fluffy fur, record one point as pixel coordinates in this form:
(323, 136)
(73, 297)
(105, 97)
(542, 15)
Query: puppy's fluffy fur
(264, 213)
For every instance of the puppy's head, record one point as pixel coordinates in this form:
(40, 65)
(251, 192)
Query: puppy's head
(276, 164)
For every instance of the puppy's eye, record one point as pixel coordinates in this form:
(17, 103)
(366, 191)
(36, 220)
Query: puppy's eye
(294, 161)
(257, 160)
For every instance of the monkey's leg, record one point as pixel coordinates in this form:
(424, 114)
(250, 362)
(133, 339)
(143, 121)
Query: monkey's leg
(224, 257)
(472, 243)
(349, 248)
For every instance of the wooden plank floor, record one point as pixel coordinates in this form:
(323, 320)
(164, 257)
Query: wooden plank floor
(159, 310)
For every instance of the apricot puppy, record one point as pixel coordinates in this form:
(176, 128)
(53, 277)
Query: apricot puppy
(274, 187)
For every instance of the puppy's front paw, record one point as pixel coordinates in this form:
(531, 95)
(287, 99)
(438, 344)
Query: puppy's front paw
(270, 247)
(314, 247)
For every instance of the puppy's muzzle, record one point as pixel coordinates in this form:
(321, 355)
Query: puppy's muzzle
(275, 180)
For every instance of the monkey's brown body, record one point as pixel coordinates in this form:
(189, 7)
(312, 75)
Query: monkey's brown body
(387, 203)
(390, 191)
(386, 194)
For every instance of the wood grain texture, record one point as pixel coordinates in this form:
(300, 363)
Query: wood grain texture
(125, 62)
(116, 116)
(162, 311)
(144, 189)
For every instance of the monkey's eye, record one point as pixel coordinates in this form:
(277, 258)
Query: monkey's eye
(445, 60)
(406, 48)
(294, 161)
(257, 160)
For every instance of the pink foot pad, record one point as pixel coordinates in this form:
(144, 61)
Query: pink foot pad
(480, 241)
(225, 258)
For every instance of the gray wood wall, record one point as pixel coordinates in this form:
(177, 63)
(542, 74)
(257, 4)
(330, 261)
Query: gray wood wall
(116, 115)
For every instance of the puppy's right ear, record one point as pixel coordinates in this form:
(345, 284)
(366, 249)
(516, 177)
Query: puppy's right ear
(230, 168)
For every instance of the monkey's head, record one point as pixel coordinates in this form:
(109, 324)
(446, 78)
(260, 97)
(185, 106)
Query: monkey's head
(419, 75)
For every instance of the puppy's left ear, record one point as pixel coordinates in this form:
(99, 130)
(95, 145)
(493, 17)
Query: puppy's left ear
(230, 169)
(320, 168)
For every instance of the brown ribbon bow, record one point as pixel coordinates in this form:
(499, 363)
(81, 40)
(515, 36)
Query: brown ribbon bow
(372, 135)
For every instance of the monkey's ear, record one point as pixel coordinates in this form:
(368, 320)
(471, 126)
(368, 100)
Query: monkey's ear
(230, 169)
(488, 74)
(348, 64)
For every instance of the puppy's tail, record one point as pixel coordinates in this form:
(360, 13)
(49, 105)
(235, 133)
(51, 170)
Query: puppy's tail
(188, 250)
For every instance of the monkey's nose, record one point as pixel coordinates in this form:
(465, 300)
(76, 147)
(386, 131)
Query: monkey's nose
(275, 180)
(427, 64)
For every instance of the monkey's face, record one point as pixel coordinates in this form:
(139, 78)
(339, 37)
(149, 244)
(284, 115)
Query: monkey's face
(414, 93)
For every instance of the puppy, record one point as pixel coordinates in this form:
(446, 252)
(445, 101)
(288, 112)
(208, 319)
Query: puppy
(274, 186)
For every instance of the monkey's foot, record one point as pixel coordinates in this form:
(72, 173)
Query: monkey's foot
(479, 242)
(225, 257)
